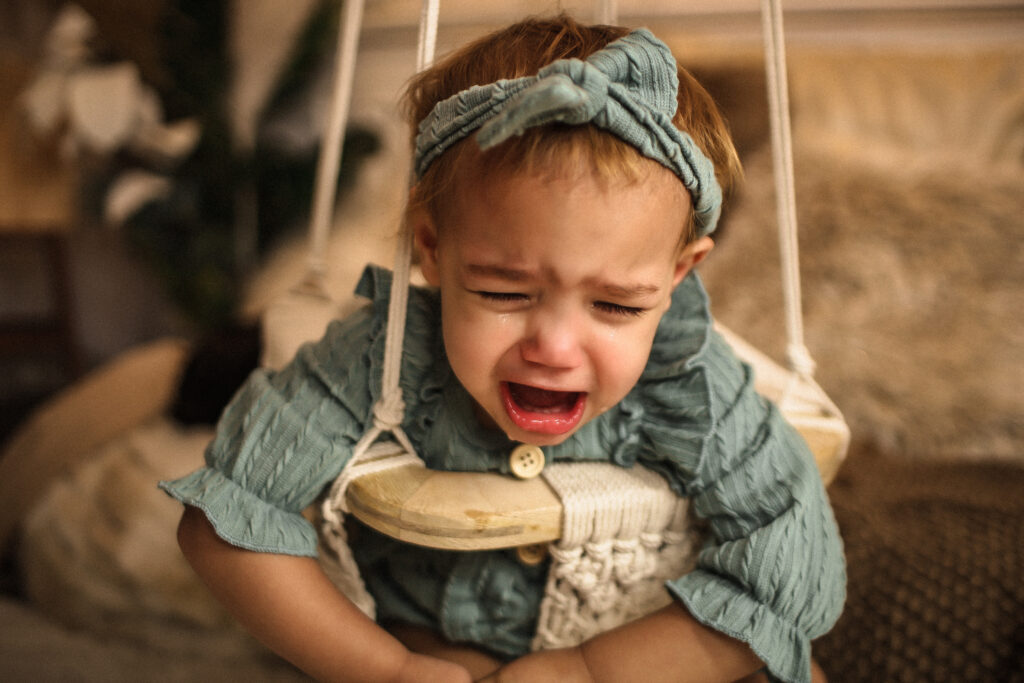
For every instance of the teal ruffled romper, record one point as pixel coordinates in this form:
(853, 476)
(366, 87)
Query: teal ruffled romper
(771, 574)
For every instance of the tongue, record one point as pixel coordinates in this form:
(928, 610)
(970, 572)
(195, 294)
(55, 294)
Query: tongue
(542, 400)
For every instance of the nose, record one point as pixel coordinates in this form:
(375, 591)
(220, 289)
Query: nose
(553, 339)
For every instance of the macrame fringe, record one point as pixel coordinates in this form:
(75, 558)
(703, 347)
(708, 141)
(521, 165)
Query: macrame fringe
(625, 533)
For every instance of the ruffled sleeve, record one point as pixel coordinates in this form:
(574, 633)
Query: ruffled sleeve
(286, 435)
(772, 572)
(281, 440)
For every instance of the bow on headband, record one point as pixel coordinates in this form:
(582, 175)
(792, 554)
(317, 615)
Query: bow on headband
(628, 88)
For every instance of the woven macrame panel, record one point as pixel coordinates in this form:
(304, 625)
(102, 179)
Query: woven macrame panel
(624, 534)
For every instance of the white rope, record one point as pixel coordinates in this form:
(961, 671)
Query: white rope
(389, 410)
(797, 355)
(338, 563)
(430, 10)
(395, 335)
(330, 151)
(369, 455)
(391, 403)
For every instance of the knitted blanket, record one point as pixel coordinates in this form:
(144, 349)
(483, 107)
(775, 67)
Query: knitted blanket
(935, 557)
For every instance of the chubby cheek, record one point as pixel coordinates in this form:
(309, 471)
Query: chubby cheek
(474, 344)
(618, 368)
(619, 358)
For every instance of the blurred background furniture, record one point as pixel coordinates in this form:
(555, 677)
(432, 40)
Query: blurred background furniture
(37, 215)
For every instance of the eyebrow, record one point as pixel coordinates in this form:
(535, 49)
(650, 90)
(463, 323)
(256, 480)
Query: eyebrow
(628, 291)
(611, 289)
(513, 274)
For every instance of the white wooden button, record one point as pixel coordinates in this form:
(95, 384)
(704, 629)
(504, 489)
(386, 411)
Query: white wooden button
(526, 461)
(533, 554)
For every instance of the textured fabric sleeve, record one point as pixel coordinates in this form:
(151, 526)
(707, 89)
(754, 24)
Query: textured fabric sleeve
(772, 573)
(283, 438)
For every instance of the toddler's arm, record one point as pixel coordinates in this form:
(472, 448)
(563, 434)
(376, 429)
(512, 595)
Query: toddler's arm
(290, 605)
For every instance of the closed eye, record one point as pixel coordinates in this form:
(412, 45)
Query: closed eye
(501, 296)
(618, 309)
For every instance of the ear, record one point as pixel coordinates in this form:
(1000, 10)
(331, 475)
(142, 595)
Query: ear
(692, 254)
(424, 232)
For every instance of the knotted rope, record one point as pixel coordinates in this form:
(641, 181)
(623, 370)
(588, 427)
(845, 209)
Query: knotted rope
(388, 412)
(370, 454)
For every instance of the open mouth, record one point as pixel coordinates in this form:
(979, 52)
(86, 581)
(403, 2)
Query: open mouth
(543, 410)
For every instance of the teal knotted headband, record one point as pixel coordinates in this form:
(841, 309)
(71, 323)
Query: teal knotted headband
(628, 88)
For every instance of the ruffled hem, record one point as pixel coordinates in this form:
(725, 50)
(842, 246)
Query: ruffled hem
(718, 604)
(241, 518)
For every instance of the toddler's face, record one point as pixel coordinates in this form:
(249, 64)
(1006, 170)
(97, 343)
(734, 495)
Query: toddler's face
(551, 292)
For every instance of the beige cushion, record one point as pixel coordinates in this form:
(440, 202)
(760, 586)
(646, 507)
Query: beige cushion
(109, 401)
